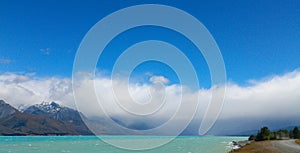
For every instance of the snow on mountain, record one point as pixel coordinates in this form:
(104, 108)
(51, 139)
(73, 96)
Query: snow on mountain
(49, 107)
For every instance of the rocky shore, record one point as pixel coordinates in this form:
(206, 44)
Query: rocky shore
(238, 144)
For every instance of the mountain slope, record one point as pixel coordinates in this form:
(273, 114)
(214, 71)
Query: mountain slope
(29, 124)
(6, 109)
(55, 111)
(7, 131)
(14, 122)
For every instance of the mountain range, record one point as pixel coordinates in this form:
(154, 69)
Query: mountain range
(41, 119)
(54, 119)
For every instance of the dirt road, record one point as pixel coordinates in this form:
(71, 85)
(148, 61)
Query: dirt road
(287, 146)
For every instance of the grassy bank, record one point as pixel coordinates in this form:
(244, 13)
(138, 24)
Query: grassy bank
(298, 141)
(258, 147)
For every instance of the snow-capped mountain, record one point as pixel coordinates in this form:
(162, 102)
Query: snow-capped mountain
(46, 107)
(55, 111)
(37, 122)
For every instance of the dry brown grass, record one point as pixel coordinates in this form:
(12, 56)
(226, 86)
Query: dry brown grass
(258, 147)
(298, 141)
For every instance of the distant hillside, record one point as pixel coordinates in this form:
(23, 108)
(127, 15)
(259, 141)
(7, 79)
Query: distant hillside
(28, 124)
(241, 126)
(254, 132)
(55, 111)
(14, 122)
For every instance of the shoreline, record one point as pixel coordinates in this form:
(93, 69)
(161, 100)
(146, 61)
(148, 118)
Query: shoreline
(239, 144)
(268, 146)
(256, 147)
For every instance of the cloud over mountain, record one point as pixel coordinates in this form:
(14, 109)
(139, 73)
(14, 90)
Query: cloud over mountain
(274, 97)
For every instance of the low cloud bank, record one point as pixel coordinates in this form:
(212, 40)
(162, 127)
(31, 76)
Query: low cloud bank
(275, 97)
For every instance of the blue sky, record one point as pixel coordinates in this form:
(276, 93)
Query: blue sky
(259, 42)
(256, 38)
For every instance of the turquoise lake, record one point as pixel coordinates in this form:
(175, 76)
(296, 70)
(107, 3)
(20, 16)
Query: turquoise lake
(86, 144)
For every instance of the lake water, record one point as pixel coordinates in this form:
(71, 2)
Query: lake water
(86, 144)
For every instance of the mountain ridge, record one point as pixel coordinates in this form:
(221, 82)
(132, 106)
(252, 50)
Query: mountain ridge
(61, 113)
(15, 122)
(6, 109)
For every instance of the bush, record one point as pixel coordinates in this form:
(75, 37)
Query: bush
(296, 133)
(263, 134)
(252, 137)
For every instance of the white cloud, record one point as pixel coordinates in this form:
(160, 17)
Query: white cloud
(26, 89)
(278, 96)
(159, 80)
